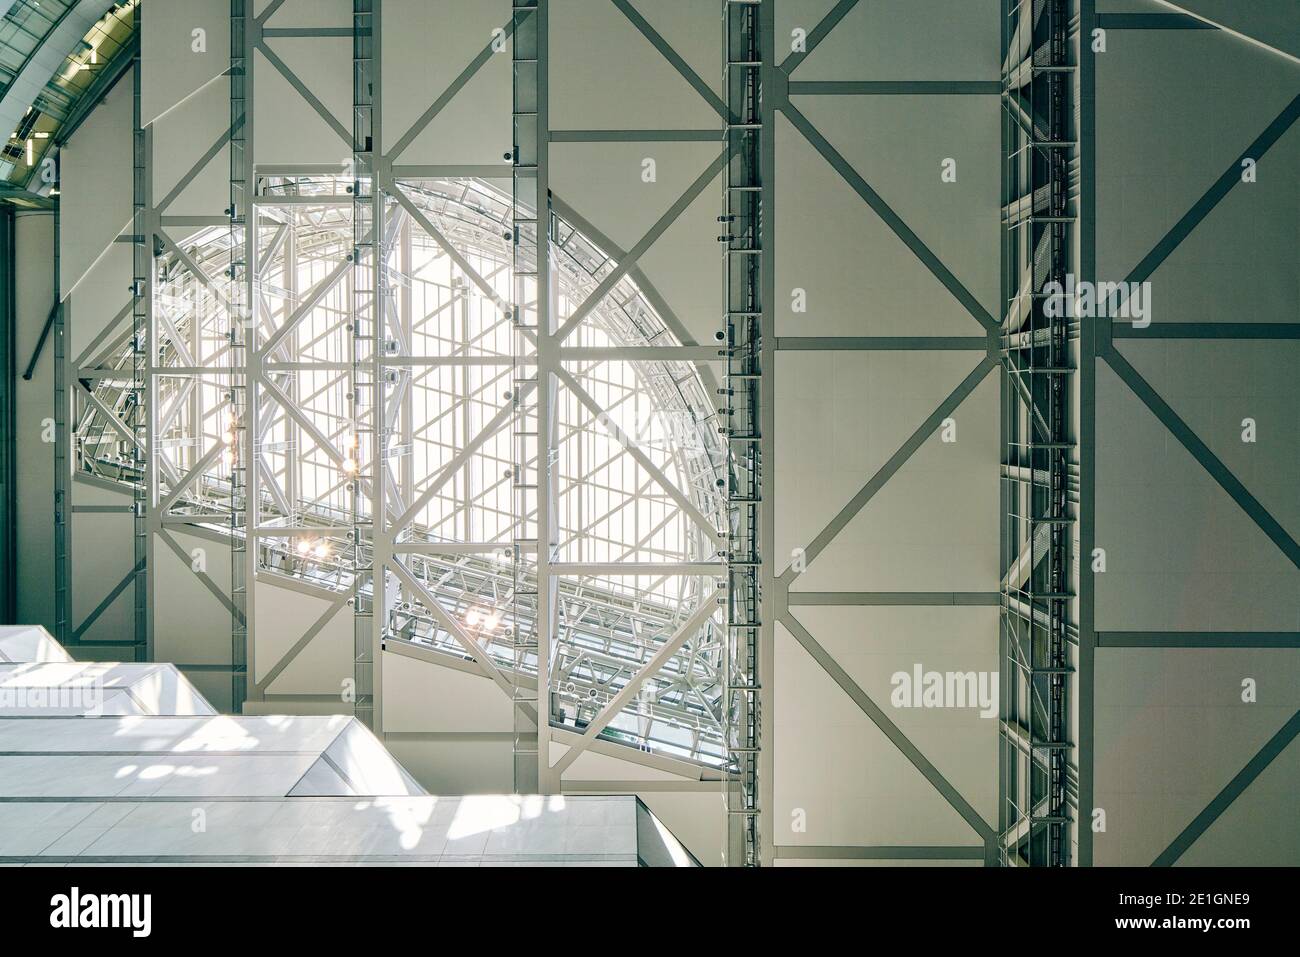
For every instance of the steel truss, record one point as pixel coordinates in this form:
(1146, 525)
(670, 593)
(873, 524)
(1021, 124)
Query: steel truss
(139, 409)
(531, 393)
(350, 378)
(242, 336)
(742, 397)
(365, 446)
(249, 305)
(1040, 466)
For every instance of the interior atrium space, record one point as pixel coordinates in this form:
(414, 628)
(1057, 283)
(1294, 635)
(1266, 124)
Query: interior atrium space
(652, 433)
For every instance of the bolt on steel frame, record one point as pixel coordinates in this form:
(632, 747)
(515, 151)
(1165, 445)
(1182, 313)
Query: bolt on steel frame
(742, 243)
(1040, 466)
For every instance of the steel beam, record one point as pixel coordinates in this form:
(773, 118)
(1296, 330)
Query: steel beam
(1092, 342)
(1198, 639)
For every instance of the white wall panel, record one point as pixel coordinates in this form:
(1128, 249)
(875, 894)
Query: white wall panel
(905, 40)
(838, 776)
(168, 45)
(427, 44)
(422, 696)
(34, 295)
(191, 626)
(95, 185)
(181, 140)
(284, 615)
(102, 534)
(824, 233)
(102, 294)
(286, 129)
(605, 75)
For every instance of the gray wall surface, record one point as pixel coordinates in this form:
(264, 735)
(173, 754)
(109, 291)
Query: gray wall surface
(1187, 552)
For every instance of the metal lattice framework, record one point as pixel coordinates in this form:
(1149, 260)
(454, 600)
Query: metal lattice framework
(1040, 466)
(446, 367)
(411, 392)
(742, 243)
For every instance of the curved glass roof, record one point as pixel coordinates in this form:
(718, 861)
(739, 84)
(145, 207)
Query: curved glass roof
(57, 59)
(609, 507)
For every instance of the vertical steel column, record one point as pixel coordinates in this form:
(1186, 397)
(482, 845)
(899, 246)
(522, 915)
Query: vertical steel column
(240, 435)
(293, 431)
(767, 417)
(143, 344)
(364, 458)
(405, 435)
(1093, 339)
(8, 423)
(1056, 514)
(1039, 470)
(381, 450)
(547, 405)
(744, 229)
(1009, 280)
(63, 459)
(532, 397)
